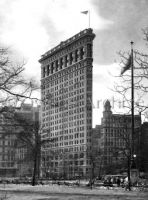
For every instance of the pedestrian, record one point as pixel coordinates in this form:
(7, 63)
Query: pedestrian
(112, 180)
(118, 182)
(126, 184)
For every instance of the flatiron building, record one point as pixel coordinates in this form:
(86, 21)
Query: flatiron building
(66, 116)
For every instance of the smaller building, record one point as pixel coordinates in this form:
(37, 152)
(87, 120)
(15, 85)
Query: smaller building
(13, 159)
(144, 148)
(8, 165)
(96, 151)
(23, 152)
(116, 139)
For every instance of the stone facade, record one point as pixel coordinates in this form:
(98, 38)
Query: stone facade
(12, 159)
(66, 92)
(144, 148)
(97, 157)
(24, 164)
(8, 167)
(116, 140)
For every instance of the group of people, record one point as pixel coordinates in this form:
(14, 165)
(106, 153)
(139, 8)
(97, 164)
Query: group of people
(119, 181)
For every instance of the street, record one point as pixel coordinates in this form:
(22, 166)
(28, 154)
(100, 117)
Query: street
(67, 193)
(40, 196)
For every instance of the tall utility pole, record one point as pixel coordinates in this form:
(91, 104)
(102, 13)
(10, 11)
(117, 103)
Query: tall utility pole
(132, 99)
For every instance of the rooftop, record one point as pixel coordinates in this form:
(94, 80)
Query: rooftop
(67, 42)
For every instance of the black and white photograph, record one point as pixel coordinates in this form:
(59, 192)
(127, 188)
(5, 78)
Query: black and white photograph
(73, 99)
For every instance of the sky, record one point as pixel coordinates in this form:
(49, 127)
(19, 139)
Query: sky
(32, 27)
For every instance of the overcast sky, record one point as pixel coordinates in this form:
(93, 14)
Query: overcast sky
(32, 27)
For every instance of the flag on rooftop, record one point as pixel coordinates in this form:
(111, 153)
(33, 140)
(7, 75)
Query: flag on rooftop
(127, 65)
(85, 12)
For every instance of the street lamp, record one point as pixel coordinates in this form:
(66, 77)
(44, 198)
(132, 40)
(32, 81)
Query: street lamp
(133, 163)
(134, 156)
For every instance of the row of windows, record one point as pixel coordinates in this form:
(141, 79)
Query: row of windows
(63, 132)
(115, 132)
(64, 100)
(7, 142)
(71, 131)
(55, 91)
(56, 128)
(63, 62)
(74, 112)
(66, 143)
(70, 164)
(63, 114)
(52, 95)
(121, 119)
(66, 114)
(66, 104)
(119, 143)
(72, 121)
(6, 164)
(67, 150)
(63, 76)
(7, 157)
(76, 135)
(63, 155)
(65, 86)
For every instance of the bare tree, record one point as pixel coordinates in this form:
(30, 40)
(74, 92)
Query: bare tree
(15, 89)
(27, 134)
(123, 84)
(13, 86)
(123, 89)
(95, 155)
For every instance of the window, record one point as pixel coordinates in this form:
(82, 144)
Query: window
(76, 55)
(52, 67)
(81, 155)
(81, 53)
(66, 61)
(61, 63)
(89, 50)
(56, 65)
(47, 70)
(81, 162)
(44, 72)
(71, 58)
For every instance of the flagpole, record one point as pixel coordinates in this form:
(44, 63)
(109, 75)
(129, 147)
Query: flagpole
(89, 18)
(132, 100)
(130, 64)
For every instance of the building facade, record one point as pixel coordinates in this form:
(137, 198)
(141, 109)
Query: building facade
(97, 157)
(25, 164)
(8, 165)
(116, 139)
(13, 160)
(144, 148)
(66, 119)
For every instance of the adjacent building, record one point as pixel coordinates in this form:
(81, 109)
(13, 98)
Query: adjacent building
(8, 165)
(144, 148)
(66, 116)
(116, 139)
(96, 151)
(23, 161)
(13, 160)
